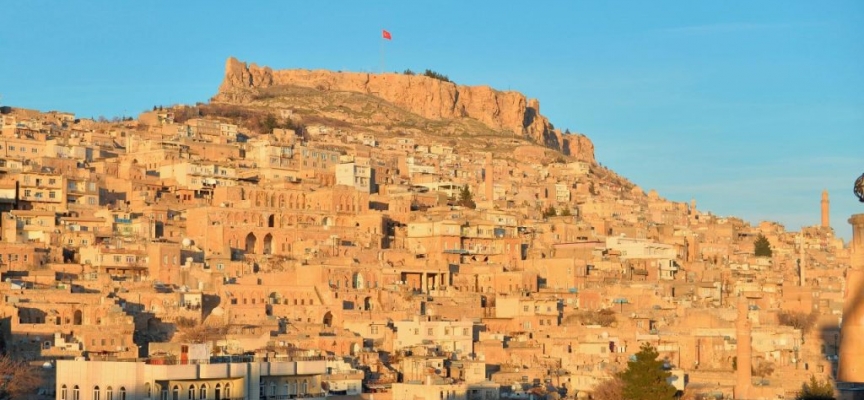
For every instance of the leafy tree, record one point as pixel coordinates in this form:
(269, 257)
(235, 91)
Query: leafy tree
(18, 379)
(466, 199)
(645, 378)
(408, 72)
(762, 247)
(269, 123)
(816, 390)
(565, 212)
(550, 212)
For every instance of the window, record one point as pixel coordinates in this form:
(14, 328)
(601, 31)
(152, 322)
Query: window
(373, 329)
(147, 389)
(122, 393)
(430, 331)
(175, 394)
(76, 395)
(52, 181)
(91, 201)
(191, 395)
(109, 393)
(96, 393)
(27, 193)
(202, 393)
(227, 391)
(63, 392)
(52, 195)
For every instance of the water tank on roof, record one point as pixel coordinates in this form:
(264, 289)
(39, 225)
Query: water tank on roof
(187, 242)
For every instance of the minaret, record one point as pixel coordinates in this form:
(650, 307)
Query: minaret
(826, 210)
(743, 378)
(851, 368)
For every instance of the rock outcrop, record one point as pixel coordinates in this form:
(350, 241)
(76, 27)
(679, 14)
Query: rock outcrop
(430, 98)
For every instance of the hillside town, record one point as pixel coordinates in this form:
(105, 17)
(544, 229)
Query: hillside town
(247, 248)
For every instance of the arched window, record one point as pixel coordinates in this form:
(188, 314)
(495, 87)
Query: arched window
(191, 392)
(273, 389)
(147, 389)
(202, 393)
(217, 391)
(122, 393)
(291, 388)
(63, 392)
(109, 393)
(96, 393)
(175, 393)
(227, 391)
(76, 394)
(304, 386)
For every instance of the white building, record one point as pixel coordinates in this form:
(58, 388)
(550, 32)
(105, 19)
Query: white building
(122, 380)
(358, 174)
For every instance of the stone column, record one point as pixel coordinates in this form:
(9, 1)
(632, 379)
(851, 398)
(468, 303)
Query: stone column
(851, 368)
(424, 283)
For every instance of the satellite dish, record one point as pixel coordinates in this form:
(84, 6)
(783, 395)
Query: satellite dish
(47, 365)
(187, 242)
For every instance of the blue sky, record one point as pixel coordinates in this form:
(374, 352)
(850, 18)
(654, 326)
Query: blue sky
(751, 108)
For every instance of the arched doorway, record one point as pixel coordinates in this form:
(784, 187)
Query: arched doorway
(367, 303)
(271, 221)
(358, 281)
(328, 319)
(268, 243)
(251, 241)
(78, 317)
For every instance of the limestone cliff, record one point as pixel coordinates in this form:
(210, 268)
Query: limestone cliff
(430, 98)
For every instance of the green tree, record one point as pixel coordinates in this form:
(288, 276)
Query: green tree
(565, 212)
(434, 75)
(816, 390)
(550, 212)
(762, 247)
(645, 378)
(466, 199)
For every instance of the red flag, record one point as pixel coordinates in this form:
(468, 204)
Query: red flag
(386, 35)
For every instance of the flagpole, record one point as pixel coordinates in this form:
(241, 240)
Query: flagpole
(381, 65)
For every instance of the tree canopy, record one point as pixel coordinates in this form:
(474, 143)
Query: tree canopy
(18, 379)
(645, 378)
(762, 247)
(816, 390)
(466, 199)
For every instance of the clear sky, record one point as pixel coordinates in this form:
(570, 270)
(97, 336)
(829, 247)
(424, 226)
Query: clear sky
(750, 107)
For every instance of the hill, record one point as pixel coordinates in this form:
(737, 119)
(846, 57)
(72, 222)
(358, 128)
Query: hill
(390, 101)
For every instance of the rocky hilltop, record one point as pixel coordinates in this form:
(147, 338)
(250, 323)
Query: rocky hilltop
(509, 113)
